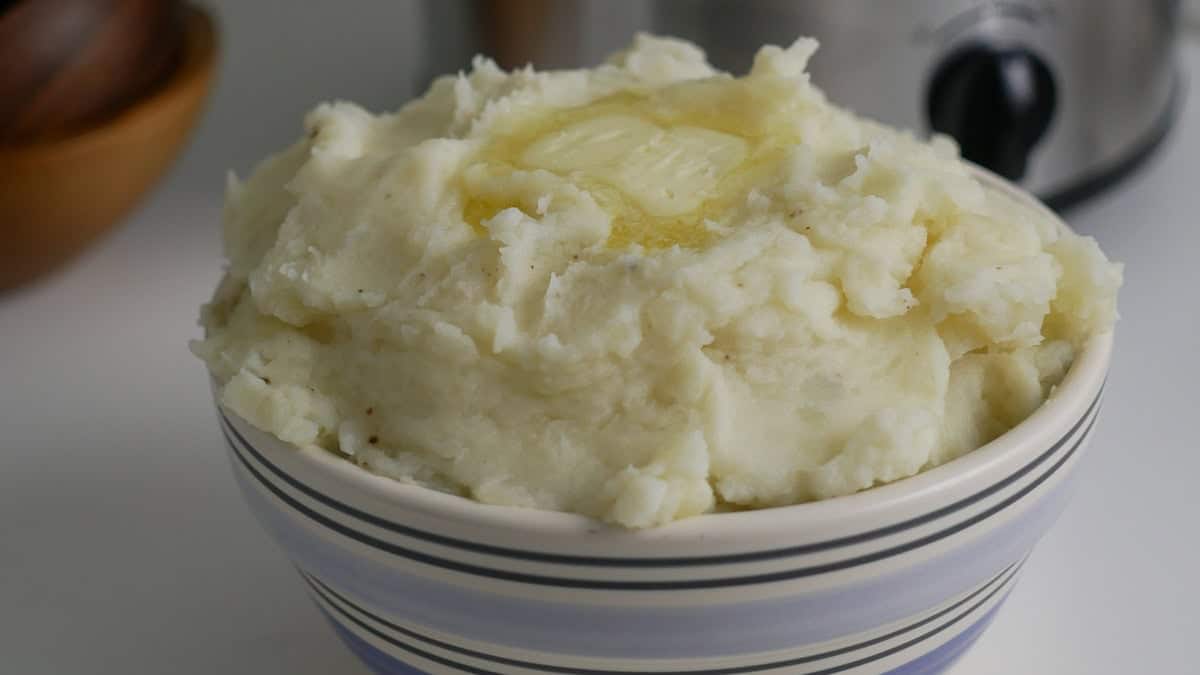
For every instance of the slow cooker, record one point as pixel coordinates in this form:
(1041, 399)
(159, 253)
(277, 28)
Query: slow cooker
(1061, 96)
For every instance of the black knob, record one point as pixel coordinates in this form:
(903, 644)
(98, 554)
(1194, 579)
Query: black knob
(997, 103)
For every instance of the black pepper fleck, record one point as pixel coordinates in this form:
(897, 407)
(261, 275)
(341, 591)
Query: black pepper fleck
(267, 380)
(370, 411)
(373, 440)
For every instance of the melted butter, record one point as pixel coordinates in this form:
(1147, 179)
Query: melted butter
(659, 164)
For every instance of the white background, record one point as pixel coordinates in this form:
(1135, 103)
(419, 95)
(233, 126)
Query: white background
(124, 547)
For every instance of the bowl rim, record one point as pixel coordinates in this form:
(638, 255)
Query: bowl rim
(1069, 403)
(194, 69)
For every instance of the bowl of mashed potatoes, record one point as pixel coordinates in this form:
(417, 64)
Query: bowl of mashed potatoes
(650, 368)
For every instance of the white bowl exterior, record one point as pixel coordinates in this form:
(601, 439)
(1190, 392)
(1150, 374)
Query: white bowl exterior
(435, 580)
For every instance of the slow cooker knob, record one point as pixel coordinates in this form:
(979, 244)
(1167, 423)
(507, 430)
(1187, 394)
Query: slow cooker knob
(997, 103)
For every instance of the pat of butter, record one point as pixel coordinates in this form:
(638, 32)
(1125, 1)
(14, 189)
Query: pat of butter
(660, 167)
(666, 171)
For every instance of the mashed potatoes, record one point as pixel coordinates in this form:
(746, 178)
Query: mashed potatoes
(640, 292)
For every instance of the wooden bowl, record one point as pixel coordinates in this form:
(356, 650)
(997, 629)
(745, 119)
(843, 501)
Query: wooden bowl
(59, 195)
(67, 64)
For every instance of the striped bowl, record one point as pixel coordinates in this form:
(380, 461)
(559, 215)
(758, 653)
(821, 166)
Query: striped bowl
(900, 578)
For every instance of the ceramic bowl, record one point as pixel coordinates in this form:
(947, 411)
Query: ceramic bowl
(901, 578)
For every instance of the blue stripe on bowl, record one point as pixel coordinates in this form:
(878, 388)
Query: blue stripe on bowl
(376, 660)
(240, 445)
(932, 663)
(343, 610)
(938, 660)
(758, 626)
(935, 660)
(595, 561)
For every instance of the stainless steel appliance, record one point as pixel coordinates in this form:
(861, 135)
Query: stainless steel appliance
(1062, 96)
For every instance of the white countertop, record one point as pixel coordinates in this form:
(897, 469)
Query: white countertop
(124, 547)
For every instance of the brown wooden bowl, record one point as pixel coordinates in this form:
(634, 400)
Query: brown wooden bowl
(57, 196)
(67, 64)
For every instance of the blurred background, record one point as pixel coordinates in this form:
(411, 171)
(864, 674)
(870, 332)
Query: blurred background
(1066, 89)
(123, 545)
(97, 97)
